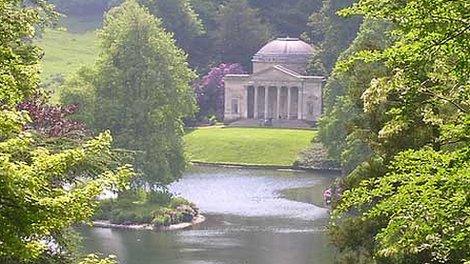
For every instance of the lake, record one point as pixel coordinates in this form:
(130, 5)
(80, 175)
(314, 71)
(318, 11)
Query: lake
(252, 217)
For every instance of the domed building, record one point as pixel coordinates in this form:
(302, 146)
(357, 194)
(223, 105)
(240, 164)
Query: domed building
(278, 88)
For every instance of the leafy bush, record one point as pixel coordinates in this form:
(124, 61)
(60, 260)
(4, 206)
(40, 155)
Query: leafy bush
(177, 201)
(161, 220)
(160, 197)
(315, 156)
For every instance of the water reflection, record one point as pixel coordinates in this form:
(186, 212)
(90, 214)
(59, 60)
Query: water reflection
(248, 221)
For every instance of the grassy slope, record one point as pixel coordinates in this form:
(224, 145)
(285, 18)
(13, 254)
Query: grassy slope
(65, 52)
(255, 146)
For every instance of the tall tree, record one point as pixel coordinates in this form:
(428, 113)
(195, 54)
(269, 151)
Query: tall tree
(143, 90)
(240, 32)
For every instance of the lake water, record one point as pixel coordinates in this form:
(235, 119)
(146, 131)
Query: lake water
(249, 221)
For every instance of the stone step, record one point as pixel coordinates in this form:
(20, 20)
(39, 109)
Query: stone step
(281, 123)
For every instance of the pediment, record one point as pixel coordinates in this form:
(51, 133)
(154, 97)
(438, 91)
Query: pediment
(276, 73)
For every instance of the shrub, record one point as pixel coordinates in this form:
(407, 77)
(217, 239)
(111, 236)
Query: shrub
(160, 197)
(161, 220)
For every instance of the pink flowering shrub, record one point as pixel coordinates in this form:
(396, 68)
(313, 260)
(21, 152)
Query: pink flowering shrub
(210, 90)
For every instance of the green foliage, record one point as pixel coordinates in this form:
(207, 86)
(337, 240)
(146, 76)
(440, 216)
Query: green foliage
(35, 206)
(316, 156)
(331, 33)
(47, 184)
(240, 32)
(93, 259)
(425, 200)
(287, 18)
(79, 89)
(19, 59)
(83, 7)
(345, 130)
(178, 17)
(141, 83)
(411, 111)
(428, 87)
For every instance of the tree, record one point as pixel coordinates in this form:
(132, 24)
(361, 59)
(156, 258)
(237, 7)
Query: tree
(35, 206)
(52, 121)
(79, 90)
(288, 18)
(240, 32)
(345, 130)
(83, 7)
(179, 17)
(143, 91)
(331, 33)
(210, 91)
(45, 186)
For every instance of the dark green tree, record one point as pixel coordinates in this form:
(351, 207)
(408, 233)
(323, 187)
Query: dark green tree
(178, 17)
(287, 18)
(331, 33)
(143, 91)
(240, 32)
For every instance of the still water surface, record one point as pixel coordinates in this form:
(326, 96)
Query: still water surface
(249, 221)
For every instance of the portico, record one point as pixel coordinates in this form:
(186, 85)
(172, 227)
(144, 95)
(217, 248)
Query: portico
(277, 102)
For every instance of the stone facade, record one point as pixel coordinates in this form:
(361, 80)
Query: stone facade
(278, 87)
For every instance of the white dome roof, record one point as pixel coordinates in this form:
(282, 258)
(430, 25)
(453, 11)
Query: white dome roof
(284, 46)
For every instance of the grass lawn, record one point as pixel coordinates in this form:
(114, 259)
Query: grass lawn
(252, 146)
(66, 52)
(69, 48)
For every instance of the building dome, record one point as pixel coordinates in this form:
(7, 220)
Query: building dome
(284, 50)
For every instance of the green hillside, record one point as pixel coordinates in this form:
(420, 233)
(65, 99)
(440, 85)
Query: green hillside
(65, 52)
(247, 146)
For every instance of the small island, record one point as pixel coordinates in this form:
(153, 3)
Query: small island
(159, 211)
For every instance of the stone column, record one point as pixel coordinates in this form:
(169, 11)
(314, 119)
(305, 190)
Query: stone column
(278, 102)
(288, 102)
(266, 101)
(246, 102)
(299, 104)
(255, 111)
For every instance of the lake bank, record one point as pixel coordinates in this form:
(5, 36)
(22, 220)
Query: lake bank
(265, 167)
(180, 226)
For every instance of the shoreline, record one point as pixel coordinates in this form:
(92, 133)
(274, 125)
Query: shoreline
(261, 166)
(107, 224)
